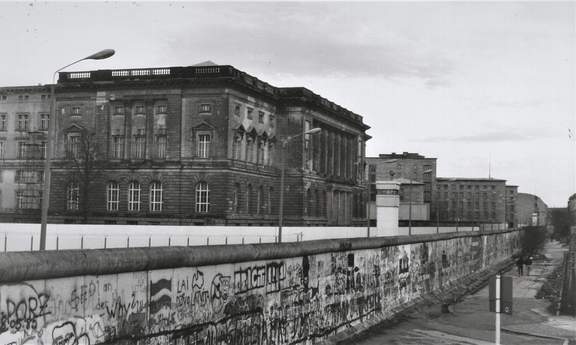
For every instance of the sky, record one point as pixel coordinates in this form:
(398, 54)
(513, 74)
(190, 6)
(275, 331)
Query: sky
(484, 87)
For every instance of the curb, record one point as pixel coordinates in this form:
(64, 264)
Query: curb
(506, 330)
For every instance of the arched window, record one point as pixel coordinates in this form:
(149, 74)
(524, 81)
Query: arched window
(260, 200)
(270, 193)
(202, 197)
(248, 195)
(237, 146)
(73, 197)
(134, 196)
(112, 196)
(317, 208)
(156, 200)
(236, 198)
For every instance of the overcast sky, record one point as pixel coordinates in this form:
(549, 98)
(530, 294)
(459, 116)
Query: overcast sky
(467, 83)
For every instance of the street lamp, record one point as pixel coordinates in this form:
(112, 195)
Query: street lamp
(103, 54)
(282, 168)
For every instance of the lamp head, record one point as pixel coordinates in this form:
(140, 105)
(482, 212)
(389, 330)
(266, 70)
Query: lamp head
(103, 54)
(313, 130)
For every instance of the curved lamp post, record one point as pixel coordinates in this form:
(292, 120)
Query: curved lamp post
(103, 54)
(282, 168)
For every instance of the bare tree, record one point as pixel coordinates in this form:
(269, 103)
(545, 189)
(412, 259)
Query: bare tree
(83, 155)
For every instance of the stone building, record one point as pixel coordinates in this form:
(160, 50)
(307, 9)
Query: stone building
(531, 210)
(201, 145)
(471, 200)
(24, 119)
(417, 177)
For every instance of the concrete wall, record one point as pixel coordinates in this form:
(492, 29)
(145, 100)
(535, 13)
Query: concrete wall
(295, 293)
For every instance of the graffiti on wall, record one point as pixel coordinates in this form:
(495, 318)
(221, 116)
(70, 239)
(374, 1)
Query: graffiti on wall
(288, 301)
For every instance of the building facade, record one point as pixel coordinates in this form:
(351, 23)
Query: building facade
(417, 177)
(471, 200)
(511, 197)
(24, 119)
(531, 210)
(201, 145)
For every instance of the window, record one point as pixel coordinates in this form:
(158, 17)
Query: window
(27, 176)
(73, 145)
(2, 149)
(156, 197)
(161, 144)
(203, 145)
(28, 199)
(236, 198)
(271, 119)
(112, 197)
(161, 109)
(237, 146)
(139, 147)
(260, 200)
(260, 117)
(202, 197)
(73, 197)
(118, 110)
(205, 109)
(3, 98)
(134, 196)
(139, 109)
(269, 200)
(237, 109)
(3, 122)
(260, 151)
(248, 194)
(249, 112)
(23, 122)
(76, 111)
(22, 150)
(44, 121)
(117, 147)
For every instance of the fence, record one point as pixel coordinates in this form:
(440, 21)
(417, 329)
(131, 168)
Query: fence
(26, 237)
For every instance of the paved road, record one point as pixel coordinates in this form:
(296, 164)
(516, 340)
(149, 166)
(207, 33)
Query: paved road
(472, 324)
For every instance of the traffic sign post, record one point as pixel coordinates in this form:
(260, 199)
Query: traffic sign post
(505, 294)
(500, 299)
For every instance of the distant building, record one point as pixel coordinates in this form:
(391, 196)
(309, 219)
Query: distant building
(24, 120)
(188, 145)
(472, 200)
(572, 208)
(417, 177)
(511, 196)
(531, 210)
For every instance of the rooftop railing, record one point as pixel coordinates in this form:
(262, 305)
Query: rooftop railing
(202, 73)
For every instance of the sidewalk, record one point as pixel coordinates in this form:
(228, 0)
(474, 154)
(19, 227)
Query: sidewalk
(470, 321)
(526, 287)
(530, 317)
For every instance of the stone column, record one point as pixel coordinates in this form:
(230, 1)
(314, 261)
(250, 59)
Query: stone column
(387, 204)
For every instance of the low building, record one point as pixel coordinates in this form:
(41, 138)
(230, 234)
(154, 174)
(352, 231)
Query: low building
(417, 177)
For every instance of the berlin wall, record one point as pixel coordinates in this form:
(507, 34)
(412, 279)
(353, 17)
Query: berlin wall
(295, 293)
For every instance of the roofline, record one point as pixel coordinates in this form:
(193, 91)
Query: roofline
(477, 179)
(204, 73)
